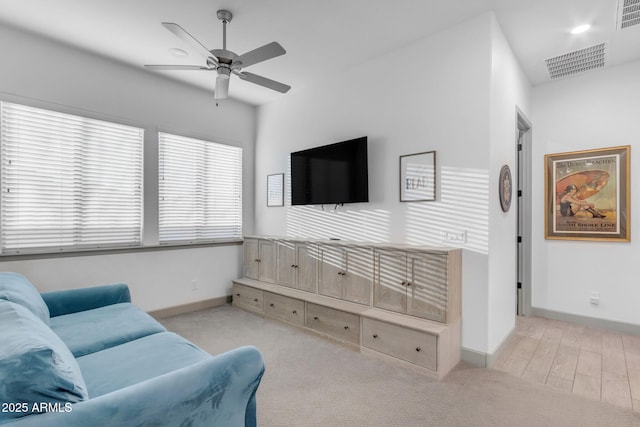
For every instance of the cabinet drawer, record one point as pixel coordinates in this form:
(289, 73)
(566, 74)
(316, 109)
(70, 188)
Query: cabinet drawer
(284, 308)
(410, 345)
(338, 324)
(248, 298)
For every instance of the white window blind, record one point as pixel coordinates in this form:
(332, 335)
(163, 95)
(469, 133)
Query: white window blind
(200, 190)
(68, 182)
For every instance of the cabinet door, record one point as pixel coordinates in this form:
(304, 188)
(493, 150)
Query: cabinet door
(331, 271)
(427, 292)
(267, 270)
(287, 264)
(307, 266)
(251, 260)
(389, 288)
(357, 281)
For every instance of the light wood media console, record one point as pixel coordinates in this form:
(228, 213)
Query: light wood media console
(398, 302)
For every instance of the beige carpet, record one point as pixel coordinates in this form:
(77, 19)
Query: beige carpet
(311, 381)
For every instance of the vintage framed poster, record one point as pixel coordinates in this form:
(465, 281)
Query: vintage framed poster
(587, 195)
(418, 177)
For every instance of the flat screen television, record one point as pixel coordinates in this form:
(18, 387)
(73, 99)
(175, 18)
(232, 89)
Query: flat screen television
(330, 174)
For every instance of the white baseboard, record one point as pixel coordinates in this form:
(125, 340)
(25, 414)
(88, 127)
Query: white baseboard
(485, 360)
(188, 308)
(474, 357)
(591, 322)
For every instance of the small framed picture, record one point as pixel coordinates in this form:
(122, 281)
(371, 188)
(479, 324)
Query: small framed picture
(275, 190)
(587, 195)
(418, 177)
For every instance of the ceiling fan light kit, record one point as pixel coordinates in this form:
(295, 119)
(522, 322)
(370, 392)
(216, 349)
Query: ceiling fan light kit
(222, 87)
(226, 62)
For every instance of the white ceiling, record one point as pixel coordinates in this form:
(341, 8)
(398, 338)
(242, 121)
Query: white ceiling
(320, 36)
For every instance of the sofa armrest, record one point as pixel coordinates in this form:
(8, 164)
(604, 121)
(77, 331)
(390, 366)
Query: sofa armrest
(75, 300)
(215, 392)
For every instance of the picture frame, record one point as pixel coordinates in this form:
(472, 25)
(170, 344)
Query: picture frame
(505, 188)
(587, 195)
(418, 177)
(275, 190)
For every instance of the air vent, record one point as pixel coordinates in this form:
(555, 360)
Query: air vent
(628, 13)
(576, 62)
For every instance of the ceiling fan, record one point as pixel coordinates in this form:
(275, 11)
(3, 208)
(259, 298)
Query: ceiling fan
(225, 62)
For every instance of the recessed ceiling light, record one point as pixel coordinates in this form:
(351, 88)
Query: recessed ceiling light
(581, 29)
(178, 52)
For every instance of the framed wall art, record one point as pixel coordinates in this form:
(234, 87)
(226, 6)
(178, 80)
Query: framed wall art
(418, 177)
(275, 190)
(587, 195)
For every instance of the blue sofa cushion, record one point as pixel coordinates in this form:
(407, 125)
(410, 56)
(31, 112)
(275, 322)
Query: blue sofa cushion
(74, 300)
(136, 361)
(89, 331)
(35, 366)
(16, 288)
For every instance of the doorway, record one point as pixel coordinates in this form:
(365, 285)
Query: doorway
(523, 232)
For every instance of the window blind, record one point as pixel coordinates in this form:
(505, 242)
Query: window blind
(68, 182)
(200, 190)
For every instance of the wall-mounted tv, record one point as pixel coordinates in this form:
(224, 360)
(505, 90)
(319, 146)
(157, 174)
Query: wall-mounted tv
(331, 174)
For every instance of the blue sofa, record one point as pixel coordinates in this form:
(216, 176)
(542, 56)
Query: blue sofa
(89, 357)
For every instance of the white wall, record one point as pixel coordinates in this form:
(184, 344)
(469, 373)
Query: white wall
(596, 110)
(435, 94)
(509, 89)
(156, 279)
(50, 75)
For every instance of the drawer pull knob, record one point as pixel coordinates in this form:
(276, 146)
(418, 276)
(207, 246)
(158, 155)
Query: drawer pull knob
(237, 295)
(409, 283)
(270, 305)
(293, 266)
(418, 349)
(256, 260)
(315, 317)
(375, 336)
(404, 283)
(255, 299)
(294, 312)
(346, 327)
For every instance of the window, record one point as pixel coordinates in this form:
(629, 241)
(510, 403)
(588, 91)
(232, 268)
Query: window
(200, 190)
(68, 182)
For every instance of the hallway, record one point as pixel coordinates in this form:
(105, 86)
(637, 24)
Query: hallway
(589, 362)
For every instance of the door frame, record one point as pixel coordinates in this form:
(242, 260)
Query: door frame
(523, 222)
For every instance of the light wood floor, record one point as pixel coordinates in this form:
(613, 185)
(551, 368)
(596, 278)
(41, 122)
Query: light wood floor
(593, 363)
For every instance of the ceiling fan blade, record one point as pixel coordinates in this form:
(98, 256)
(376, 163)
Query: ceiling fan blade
(263, 81)
(182, 34)
(178, 67)
(260, 54)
